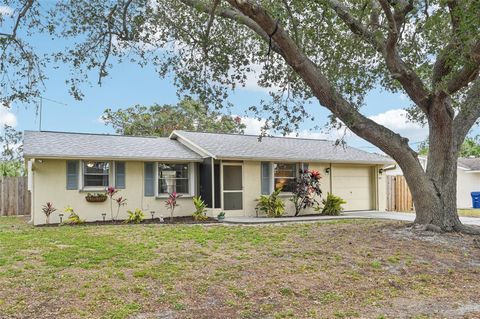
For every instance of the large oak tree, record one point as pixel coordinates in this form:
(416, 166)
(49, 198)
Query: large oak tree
(330, 50)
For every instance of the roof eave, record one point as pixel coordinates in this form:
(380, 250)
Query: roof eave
(307, 160)
(116, 158)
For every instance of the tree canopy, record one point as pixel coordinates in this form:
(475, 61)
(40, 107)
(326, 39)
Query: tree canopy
(331, 51)
(161, 120)
(11, 155)
(470, 147)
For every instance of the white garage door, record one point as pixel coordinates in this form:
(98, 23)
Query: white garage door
(353, 184)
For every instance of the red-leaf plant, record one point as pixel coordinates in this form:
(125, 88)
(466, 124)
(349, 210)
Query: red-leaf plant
(307, 186)
(171, 203)
(120, 201)
(48, 209)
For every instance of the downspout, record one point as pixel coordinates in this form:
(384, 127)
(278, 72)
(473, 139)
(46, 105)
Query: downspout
(330, 177)
(30, 188)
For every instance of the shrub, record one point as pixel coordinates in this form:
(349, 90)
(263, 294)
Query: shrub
(48, 209)
(120, 201)
(200, 209)
(271, 204)
(307, 186)
(73, 217)
(332, 205)
(171, 203)
(135, 217)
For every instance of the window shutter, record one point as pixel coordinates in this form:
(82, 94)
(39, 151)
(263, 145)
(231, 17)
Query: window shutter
(120, 175)
(265, 178)
(72, 174)
(149, 179)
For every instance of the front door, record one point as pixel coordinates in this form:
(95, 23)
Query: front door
(232, 190)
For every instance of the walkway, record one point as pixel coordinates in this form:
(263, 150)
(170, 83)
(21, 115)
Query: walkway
(346, 215)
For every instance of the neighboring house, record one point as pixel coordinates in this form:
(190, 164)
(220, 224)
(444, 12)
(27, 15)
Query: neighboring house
(229, 171)
(468, 178)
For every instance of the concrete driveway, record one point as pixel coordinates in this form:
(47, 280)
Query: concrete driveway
(346, 215)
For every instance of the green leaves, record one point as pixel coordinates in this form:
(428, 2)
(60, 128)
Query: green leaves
(161, 120)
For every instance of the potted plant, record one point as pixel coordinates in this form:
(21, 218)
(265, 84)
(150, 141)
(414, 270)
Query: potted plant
(96, 198)
(221, 216)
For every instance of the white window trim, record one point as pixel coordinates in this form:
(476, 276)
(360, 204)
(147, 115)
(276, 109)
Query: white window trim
(191, 180)
(111, 177)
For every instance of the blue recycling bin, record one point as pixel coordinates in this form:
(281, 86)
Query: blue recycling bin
(475, 199)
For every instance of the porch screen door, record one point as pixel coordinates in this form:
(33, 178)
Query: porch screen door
(232, 187)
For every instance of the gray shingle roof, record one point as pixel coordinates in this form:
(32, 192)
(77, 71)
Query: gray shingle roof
(236, 146)
(469, 163)
(98, 146)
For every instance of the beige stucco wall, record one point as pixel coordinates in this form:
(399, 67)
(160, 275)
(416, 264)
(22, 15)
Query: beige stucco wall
(466, 183)
(49, 185)
(253, 183)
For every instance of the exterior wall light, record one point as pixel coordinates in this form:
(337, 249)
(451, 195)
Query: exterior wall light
(380, 171)
(327, 170)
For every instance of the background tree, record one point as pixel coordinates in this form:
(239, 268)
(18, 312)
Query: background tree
(161, 120)
(470, 147)
(331, 51)
(11, 142)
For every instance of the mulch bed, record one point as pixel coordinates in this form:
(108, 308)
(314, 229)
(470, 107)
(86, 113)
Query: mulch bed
(176, 220)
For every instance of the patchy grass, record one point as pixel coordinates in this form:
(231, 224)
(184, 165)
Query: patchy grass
(471, 212)
(341, 269)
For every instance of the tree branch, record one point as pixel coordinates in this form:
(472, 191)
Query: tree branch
(468, 73)
(235, 16)
(392, 143)
(103, 67)
(469, 113)
(409, 80)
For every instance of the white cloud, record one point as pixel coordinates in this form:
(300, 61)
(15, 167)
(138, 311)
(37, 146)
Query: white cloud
(253, 126)
(397, 121)
(6, 11)
(7, 117)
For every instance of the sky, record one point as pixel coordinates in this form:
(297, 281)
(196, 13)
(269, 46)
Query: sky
(129, 84)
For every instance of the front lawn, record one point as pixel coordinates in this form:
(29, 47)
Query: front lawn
(340, 269)
(469, 212)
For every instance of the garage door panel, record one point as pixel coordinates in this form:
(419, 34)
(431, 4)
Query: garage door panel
(354, 184)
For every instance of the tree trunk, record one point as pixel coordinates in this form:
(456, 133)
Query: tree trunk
(435, 195)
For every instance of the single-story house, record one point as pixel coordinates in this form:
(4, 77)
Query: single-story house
(229, 171)
(468, 178)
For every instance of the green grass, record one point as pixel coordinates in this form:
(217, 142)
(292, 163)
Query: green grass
(469, 212)
(294, 271)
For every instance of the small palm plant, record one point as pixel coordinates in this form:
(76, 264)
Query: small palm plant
(200, 209)
(48, 209)
(272, 205)
(332, 205)
(135, 217)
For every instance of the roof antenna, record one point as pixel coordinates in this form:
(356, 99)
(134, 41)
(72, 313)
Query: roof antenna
(41, 108)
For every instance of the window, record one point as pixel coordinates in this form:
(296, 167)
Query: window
(173, 178)
(284, 176)
(96, 174)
